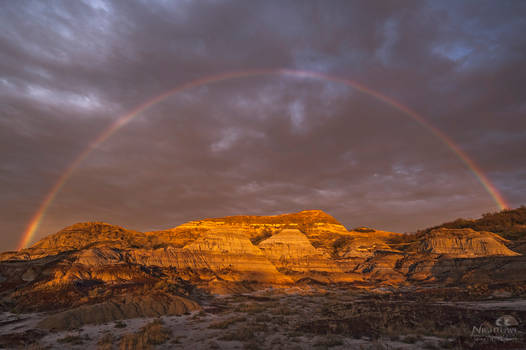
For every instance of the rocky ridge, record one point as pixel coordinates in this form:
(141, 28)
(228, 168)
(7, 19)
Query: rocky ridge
(98, 264)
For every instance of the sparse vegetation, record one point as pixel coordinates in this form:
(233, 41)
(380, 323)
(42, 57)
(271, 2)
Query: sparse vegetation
(241, 334)
(251, 308)
(509, 223)
(328, 342)
(152, 334)
(73, 339)
(364, 229)
(401, 241)
(120, 324)
(339, 243)
(105, 342)
(226, 323)
(265, 233)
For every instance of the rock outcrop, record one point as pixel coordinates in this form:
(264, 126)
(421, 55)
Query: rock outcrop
(360, 244)
(112, 310)
(83, 235)
(464, 243)
(291, 250)
(315, 224)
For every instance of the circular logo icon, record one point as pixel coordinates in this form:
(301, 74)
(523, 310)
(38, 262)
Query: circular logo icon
(506, 321)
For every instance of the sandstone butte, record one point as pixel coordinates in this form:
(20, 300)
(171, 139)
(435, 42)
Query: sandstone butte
(96, 272)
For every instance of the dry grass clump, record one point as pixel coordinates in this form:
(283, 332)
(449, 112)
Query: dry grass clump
(152, 334)
(73, 339)
(241, 334)
(251, 308)
(245, 333)
(21, 340)
(375, 345)
(265, 233)
(282, 310)
(328, 342)
(263, 318)
(213, 345)
(177, 340)
(279, 321)
(251, 345)
(120, 324)
(225, 323)
(106, 342)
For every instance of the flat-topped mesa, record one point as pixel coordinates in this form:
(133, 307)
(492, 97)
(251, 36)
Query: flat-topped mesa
(311, 222)
(305, 217)
(463, 243)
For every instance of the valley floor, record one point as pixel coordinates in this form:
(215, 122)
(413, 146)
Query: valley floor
(295, 319)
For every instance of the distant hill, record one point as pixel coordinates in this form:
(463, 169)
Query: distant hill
(509, 223)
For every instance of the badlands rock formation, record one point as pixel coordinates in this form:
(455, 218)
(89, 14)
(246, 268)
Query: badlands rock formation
(291, 250)
(91, 270)
(464, 243)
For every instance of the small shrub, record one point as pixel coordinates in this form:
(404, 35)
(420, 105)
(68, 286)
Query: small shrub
(72, 339)
(241, 334)
(263, 318)
(120, 324)
(152, 334)
(282, 310)
(328, 342)
(252, 345)
(106, 342)
(213, 345)
(225, 323)
(430, 345)
(250, 308)
(410, 339)
(364, 229)
(266, 233)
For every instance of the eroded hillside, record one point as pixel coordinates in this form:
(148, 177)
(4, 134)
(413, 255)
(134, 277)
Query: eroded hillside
(96, 267)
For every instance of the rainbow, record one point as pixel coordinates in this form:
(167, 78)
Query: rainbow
(35, 221)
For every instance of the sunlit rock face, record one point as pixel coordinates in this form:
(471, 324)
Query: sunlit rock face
(362, 243)
(464, 243)
(291, 250)
(315, 224)
(231, 256)
(98, 263)
(89, 234)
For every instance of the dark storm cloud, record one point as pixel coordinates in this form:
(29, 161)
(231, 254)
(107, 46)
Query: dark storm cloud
(259, 145)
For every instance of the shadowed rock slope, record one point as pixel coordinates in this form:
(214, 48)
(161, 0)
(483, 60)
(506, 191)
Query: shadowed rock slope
(153, 305)
(90, 270)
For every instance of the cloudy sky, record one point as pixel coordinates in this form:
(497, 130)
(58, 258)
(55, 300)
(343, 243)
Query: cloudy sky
(262, 144)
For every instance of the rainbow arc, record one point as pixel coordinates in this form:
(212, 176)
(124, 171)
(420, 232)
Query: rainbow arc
(37, 218)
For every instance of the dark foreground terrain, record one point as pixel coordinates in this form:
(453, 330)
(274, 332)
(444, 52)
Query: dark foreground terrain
(300, 318)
